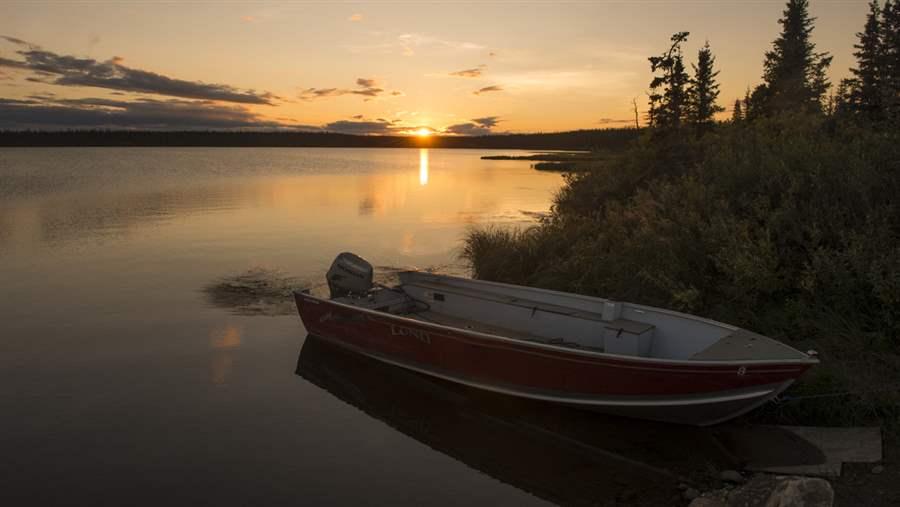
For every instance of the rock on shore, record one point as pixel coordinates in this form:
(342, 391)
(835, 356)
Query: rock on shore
(771, 491)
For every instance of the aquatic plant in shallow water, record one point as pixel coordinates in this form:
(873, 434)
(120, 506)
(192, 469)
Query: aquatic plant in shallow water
(258, 291)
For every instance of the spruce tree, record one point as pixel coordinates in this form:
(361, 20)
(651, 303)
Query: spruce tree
(748, 113)
(842, 102)
(890, 65)
(794, 73)
(668, 98)
(737, 114)
(704, 90)
(866, 89)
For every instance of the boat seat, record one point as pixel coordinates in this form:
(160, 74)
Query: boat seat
(510, 300)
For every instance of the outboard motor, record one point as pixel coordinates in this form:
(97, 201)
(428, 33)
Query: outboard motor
(349, 275)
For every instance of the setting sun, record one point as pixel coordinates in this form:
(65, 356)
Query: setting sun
(423, 132)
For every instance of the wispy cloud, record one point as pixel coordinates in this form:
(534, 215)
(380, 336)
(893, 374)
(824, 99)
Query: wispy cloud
(473, 72)
(409, 44)
(14, 40)
(488, 89)
(611, 121)
(51, 68)
(366, 87)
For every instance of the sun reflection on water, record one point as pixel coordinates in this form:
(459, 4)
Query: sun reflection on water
(423, 166)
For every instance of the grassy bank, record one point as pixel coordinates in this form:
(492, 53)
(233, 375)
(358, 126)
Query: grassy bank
(788, 226)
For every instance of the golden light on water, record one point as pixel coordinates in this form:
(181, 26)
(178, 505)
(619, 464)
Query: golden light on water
(423, 166)
(223, 341)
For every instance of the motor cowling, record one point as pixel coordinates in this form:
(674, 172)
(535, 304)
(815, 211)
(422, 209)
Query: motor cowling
(349, 275)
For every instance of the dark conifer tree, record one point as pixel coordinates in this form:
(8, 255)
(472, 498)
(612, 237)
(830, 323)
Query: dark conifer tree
(668, 97)
(794, 73)
(865, 90)
(737, 113)
(841, 103)
(704, 90)
(748, 113)
(890, 66)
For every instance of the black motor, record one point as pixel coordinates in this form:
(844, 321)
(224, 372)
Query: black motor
(349, 275)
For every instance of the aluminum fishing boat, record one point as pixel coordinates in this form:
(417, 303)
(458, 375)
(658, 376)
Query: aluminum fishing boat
(610, 356)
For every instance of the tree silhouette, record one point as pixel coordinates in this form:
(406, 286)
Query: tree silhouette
(704, 90)
(866, 92)
(890, 64)
(737, 113)
(668, 99)
(794, 73)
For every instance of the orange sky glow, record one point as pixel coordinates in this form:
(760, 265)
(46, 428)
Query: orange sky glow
(410, 68)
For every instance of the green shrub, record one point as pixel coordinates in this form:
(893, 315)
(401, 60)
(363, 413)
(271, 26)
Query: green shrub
(789, 226)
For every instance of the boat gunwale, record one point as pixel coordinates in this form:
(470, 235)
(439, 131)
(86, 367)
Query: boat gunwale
(567, 350)
(584, 297)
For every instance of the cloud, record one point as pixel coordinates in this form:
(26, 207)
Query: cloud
(14, 40)
(476, 127)
(46, 112)
(373, 127)
(609, 121)
(355, 18)
(408, 44)
(64, 70)
(487, 121)
(366, 87)
(473, 72)
(488, 89)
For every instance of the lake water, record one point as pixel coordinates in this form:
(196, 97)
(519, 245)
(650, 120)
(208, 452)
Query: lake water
(126, 379)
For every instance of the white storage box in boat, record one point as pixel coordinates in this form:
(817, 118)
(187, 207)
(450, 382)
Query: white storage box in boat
(627, 337)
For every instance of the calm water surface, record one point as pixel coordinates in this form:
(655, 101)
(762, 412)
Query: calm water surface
(120, 382)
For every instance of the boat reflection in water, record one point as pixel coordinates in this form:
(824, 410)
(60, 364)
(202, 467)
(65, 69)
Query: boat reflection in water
(560, 454)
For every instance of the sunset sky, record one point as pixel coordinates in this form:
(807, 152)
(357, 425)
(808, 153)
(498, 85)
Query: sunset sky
(376, 67)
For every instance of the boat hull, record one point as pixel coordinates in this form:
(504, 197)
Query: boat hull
(686, 392)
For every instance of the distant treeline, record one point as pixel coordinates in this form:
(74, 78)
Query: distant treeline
(575, 140)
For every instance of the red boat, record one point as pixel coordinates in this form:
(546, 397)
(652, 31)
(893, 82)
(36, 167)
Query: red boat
(610, 356)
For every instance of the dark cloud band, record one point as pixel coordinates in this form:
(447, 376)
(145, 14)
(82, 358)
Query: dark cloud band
(52, 68)
(145, 114)
(476, 127)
